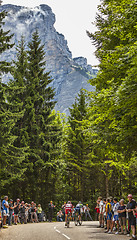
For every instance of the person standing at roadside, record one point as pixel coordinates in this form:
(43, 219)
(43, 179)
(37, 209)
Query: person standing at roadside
(29, 212)
(5, 210)
(101, 213)
(10, 212)
(63, 210)
(130, 209)
(115, 217)
(104, 213)
(32, 212)
(51, 210)
(39, 213)
(87, 213)
(35, 213)
(22, 212)
(16, 210)
(109, 216)
(97, 210)
(26, 212)
(122, 216)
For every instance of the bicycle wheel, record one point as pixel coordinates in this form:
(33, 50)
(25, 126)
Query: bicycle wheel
(76, 221)
(80, 222)
(68, 224)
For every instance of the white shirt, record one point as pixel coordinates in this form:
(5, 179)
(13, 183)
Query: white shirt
(115, 208)
(101, 206)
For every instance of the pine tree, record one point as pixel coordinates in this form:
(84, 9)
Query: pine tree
(77, 150)
(10, 155)
(17, 96)
(40, 121)
(17, 87)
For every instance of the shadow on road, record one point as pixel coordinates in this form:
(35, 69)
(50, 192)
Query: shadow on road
(89, 226)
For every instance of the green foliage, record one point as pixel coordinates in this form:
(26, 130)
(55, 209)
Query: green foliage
(11, 156)
(39, 130)
(113, 105)
(43, 154)
(76, 152)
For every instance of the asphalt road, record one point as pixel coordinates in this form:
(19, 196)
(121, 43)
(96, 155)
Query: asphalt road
(57, 231)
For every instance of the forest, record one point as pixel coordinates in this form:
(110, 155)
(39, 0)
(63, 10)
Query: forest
(45, 155)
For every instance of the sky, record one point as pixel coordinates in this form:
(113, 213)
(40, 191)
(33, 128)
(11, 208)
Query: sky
(73, 18)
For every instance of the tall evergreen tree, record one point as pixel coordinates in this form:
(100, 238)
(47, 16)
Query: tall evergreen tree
(17, 96)
(10, 155)
(41, 128)
(78, 149)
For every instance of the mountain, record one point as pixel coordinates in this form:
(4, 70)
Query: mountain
(69, 74)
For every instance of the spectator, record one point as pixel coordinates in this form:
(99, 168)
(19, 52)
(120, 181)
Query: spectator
(115, 217)
(26, 212)
(29, 213)
(104, 212)
(101, 215)
(109, 216)
(10, 212)
(135, 213)
(16, 210)
(33, 216)
(51, 210)
(87, 213)
(97, 210)
(39, 213)
(22, 213)
(5, 210)
(122, 216)
(59, 216)
(63, 210)
(35, 213)
(132, 220)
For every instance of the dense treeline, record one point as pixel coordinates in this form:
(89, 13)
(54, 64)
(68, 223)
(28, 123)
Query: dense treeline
(102, 136)
(45, 156)
(30, 128)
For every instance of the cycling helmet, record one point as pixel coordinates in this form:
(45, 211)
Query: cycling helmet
(69, 202)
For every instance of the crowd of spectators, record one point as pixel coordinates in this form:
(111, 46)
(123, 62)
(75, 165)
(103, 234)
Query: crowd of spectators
(116, 216)
(113, 215)
(20, 212)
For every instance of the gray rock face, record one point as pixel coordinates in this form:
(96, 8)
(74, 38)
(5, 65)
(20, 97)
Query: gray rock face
(70, 75)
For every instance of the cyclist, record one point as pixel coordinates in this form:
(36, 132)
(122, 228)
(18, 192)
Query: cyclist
(68, 208)
(79, 210)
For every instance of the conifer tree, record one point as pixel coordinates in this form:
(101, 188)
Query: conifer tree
(10, 155)
(40, 120)
(77, 149)
(17, 96)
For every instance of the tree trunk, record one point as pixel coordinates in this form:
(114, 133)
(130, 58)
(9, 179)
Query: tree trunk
(107, 182)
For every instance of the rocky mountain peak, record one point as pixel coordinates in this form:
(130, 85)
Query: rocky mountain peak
(70, 75)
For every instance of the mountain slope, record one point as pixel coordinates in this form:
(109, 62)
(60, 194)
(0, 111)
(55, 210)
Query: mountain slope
(70, 75)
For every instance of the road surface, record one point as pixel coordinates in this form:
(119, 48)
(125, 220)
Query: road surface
(57, 231)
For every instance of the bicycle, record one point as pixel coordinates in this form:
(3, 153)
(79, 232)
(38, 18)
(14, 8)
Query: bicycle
(68, 219)
(77, 221)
